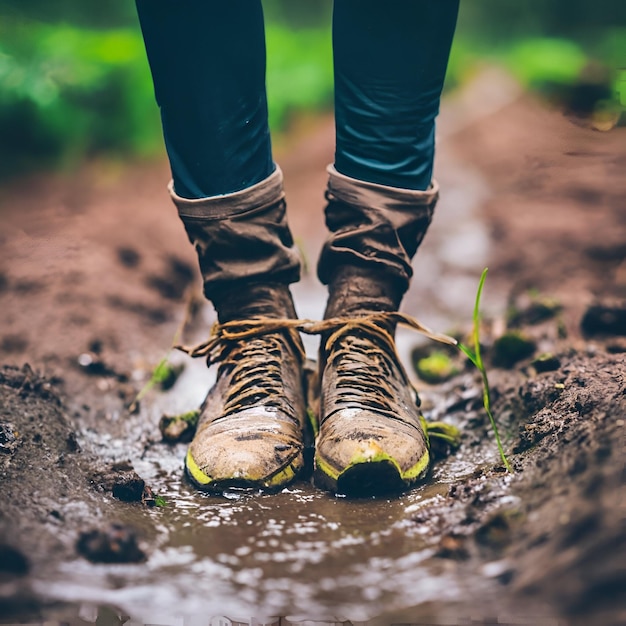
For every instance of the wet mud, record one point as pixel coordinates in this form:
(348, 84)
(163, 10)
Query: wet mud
(98, 525)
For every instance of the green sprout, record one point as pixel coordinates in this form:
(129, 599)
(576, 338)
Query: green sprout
(475, 357)
(164, 374)
(443, 432)
(313, 421)
(160, 501)
(159, 374)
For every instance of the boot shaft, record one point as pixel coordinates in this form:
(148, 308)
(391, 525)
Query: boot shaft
(253, 301)
(242, 239)
(374, 227)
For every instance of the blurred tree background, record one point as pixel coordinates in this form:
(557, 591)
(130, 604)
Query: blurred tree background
(74, 80)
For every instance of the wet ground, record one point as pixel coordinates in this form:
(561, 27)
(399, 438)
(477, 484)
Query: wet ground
(96, 278)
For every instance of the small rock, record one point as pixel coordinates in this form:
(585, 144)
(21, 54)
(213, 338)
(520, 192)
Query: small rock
(95, 346)
(8, 439)
(129, 487)
(93, 365)
(72, 442)
(115, 544)
(12, 561)
(128, 257)
(497, 569)
(121, 480)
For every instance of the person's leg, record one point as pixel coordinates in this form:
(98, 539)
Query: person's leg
(208, 64)
(390, 62)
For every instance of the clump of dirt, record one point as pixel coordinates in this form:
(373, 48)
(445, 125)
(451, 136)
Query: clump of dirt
(605, 318)
(121, 480)
(113, 544)
(175, 428)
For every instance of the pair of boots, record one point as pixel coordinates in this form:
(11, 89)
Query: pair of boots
(254, 424)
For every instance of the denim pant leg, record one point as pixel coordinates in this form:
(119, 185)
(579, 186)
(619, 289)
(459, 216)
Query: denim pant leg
(390, 60)
(207, 59)
(390, 63)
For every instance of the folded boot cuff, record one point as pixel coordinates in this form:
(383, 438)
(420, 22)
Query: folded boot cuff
(254, 198)
(360, 193)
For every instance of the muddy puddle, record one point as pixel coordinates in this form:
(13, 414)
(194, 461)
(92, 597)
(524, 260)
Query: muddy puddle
(292, 553)
(300, 552)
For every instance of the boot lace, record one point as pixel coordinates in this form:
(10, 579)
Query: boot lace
(365, 358)
(252, 352)
(363, 348)
(364, 352)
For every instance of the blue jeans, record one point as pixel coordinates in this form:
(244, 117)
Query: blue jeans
(208, 65)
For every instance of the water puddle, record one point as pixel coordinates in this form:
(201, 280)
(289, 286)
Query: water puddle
(252, 556)
(296, 552)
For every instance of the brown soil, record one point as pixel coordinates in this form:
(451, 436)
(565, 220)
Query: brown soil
(96, 275)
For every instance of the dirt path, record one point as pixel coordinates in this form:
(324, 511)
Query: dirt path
(95, 278)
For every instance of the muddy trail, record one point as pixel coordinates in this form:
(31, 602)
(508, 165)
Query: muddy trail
(97, 524)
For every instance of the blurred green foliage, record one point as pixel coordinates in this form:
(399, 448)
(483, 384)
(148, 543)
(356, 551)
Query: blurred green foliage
(571, 50)
(543, 60)
(299, 71)
(68, 91)
(75, 81)
(71, 91)
(100, 15)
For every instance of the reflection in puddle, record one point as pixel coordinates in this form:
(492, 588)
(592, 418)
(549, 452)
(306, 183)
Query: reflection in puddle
(300, 551)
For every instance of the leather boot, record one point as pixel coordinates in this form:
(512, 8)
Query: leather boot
(371, 439)
(252, 422)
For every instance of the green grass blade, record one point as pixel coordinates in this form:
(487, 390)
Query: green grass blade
(161, 369)
(155, 378)
(468, 352)
(476, 318)
(476, 358)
